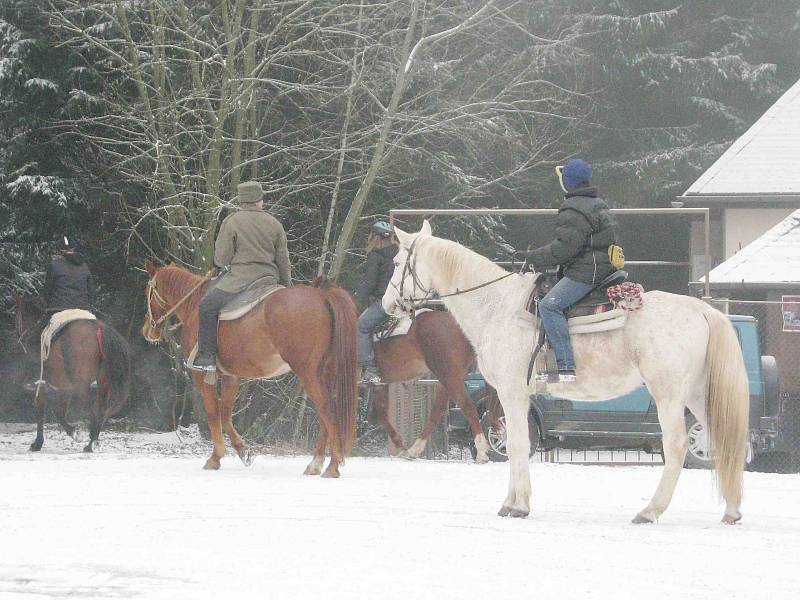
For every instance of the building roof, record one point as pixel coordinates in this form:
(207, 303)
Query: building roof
(762, 163)
(771, 260)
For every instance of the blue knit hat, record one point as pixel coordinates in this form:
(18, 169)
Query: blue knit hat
(576, 173)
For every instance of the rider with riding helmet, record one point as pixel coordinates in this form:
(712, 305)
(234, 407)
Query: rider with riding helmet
(585, 230)
(68, 284)
(251, 246)
(381, 250)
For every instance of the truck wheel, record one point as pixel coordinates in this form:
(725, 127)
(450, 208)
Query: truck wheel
(496, 435)
(698, 456)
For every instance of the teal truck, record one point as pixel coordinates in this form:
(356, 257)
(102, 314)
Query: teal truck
(631, 421)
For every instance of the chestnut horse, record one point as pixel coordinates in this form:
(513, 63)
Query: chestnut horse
(436, 344)
(307, 330)
(84, 352)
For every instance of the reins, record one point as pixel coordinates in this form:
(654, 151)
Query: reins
(151, 289)
(414, 302)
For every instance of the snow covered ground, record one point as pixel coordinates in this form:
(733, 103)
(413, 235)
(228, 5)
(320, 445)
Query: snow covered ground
(140, 519)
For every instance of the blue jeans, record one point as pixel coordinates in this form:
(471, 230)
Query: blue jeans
(564, 294)
(372, 316)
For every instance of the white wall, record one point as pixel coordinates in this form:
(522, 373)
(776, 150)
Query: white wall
(743, 225)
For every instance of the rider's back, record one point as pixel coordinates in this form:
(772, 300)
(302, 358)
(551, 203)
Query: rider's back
(253, 244)
(69, 284)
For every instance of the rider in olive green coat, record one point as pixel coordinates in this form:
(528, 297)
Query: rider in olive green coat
(251, 246)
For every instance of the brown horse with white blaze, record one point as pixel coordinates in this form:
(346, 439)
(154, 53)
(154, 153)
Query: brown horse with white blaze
(307, 330)
(436, 344)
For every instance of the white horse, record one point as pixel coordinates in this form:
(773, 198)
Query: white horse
(685, 351)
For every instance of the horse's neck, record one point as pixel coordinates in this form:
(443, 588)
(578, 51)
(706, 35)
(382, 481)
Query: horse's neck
(476, 311)
(181, 286)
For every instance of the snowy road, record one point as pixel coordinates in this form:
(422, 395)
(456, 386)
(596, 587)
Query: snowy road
(136, 525)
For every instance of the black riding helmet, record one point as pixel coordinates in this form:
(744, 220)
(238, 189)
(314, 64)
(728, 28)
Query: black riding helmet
(382, 228)
(66, 245)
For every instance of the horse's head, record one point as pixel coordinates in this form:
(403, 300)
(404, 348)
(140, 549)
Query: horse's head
(28, 312)
(410, 279)
(157, 307)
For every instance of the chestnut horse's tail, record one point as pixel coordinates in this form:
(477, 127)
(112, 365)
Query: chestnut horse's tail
(342, 369)
(116, 367)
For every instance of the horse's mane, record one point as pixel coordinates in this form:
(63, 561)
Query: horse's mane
(177, 281)
(458, 266)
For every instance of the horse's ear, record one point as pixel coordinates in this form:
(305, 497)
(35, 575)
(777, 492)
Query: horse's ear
(404, 238)
(149, 267)
(426, 228)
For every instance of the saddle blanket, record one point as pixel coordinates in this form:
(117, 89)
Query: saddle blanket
(604, 321)
(398, 326)
(57, 322)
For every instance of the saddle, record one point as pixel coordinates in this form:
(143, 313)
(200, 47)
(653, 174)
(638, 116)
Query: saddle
(58, 321)
(395, 326)
(593, 313)
(237, 307)
(248, 298)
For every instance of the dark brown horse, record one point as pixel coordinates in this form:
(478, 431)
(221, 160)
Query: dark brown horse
(84, 352)
(308, 330)
(435, 344)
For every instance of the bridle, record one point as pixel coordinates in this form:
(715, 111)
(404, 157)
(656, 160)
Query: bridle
(411, 304)
(152, 292)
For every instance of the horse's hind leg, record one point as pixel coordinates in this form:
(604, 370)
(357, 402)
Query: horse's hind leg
(229, 389)
(315, 466)
(380, 399)
(98, 414)
(39, 406)
(437, 411)
(316, 391)
(60, 409)
(670, 404)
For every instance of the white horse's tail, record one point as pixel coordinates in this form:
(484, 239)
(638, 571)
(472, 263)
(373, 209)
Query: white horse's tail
(727, 405)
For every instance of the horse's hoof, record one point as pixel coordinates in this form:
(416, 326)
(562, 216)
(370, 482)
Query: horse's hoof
(88, 448)
(211, 465)
(247, 457)
(504, 511)
(311, 471)
(732, 519)
(406, 455)
(331, 473)
(36, 446)
(640, 519)
(481, 460)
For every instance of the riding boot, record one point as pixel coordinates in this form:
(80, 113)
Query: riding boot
(370, 376)
(204, 362)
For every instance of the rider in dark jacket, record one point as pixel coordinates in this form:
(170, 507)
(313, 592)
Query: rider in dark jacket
(68, 281)
(68, 284)
(381, 250)
(584, 231)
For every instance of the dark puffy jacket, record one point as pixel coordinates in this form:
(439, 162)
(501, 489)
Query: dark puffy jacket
(68, 284)
(378, 273)
(584, 231)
